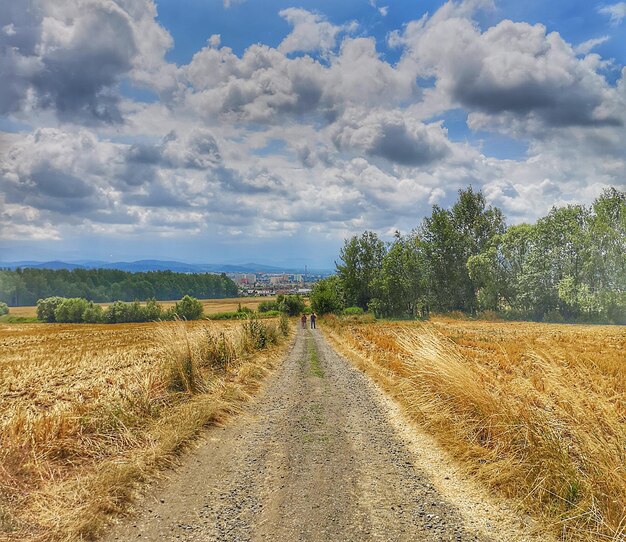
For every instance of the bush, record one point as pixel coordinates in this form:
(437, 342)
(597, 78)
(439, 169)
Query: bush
(267, 306)
(189, 308)
(153, 310)
(71, 310)
(271, 314)
(219, 351)
(327, 296)
(227, 315)
(353, 310)
(258, 335)
(93, 314)
(293, 305)
(46, 308)
(4, 309)
(121, 312)
(283, 324)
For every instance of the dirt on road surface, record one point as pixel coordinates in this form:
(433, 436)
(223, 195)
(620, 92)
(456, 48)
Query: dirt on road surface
(315, 458)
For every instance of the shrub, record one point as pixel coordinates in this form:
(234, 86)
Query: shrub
(93, 314)
(353, 310)
(189, 308)
(246, 311)
(4, 309)
(283, 324)
(46, 308)
(153, 310)
(219, 351)
(293, 305)
(327, 296)
(271, 314)
(122, 312)
(71, 310)
(267, 306)
(227, 315)
(258, 334)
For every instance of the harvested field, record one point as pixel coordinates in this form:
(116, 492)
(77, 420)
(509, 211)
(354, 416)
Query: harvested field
(90, 412)
(211, 306)
(537, 411)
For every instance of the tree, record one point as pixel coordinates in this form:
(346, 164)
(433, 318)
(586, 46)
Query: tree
(402, 284)
(189, 308)
(327, 296)
(361, 262)
(293, 305)
(46, 308)
(71, 310)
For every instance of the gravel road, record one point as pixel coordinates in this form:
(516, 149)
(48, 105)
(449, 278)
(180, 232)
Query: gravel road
(315, 458)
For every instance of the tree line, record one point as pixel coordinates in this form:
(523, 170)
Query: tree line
(23, 287)
(568, 266)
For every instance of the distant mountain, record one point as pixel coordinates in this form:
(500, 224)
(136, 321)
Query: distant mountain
(158, 265)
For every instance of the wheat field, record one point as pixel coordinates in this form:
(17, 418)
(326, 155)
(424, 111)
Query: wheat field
(536, 411)
(88, 413)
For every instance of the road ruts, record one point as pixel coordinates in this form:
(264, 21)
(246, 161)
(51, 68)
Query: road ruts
(315, 458)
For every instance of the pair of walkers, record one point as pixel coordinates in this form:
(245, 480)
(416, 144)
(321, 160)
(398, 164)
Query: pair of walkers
(313, 318)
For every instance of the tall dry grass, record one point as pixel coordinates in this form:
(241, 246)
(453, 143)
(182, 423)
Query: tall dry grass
(536, 411)
(90, 413)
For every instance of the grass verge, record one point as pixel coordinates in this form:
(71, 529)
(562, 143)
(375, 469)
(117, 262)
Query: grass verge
(82, 434)
(536, 411)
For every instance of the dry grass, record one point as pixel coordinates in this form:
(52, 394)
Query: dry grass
(211, 306)
(537, 411)
(89, 412)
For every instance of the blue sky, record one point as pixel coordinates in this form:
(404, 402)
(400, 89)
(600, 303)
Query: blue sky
(204, 130)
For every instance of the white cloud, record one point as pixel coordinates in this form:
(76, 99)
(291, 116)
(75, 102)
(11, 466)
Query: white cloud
(311, 32)
(265, 144)
(616, 12)
(586, 46)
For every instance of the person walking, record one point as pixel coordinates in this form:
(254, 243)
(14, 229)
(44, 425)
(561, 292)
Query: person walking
(313, 318)
(303, 320)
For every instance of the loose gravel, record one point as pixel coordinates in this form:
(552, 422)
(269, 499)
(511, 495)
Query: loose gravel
(315, 458)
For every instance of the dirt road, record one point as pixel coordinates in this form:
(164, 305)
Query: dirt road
(315, 459)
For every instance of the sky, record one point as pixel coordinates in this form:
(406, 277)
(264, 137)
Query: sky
(269, 131)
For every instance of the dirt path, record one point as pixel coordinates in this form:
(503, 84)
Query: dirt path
(315, 459)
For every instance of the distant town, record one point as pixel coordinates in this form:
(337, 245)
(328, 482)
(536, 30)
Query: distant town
(271, 284)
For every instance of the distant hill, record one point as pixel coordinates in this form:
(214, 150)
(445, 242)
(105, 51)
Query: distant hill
(159, 265)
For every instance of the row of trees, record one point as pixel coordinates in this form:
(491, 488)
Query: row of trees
(25, 286)
(569, 265)
(76, 310)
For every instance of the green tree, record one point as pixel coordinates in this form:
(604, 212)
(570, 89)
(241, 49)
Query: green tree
(71, 310)
(46, 308)
(327, 296)
(293, 305)
(361, 261)
(402, 284)
(189, 308)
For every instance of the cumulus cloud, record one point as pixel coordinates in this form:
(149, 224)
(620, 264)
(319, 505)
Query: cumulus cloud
(513, 69)
(69, 56)
(391, 136)
(311, 32)
(320, 134)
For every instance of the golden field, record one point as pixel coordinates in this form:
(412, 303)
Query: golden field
(211, 306)
(90, 412)
(536, 411)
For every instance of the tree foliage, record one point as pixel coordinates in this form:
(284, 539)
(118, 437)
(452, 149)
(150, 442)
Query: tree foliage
(568, 266)
(26, 286)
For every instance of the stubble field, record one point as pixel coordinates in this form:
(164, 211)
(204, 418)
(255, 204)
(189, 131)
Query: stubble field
(211, 306)
(536, 411)
(90, 412)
